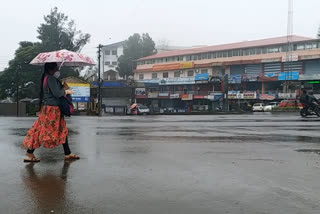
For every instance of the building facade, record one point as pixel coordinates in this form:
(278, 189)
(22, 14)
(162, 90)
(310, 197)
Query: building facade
(110, 56)
(260, 70)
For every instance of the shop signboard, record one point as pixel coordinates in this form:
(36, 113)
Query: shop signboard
(270, 76)
(267, 96)
(249, 95)
(81, 92)
(164, 94)
(287, 95)
(198, 97)
(153, 94)
(186, 96)
(177, 81)
(233, 94)
(217, 96)
(201, 77)
(294, 75)
(309, 77)
(234, 79)
(174, 96)
(140, 91)
(290, 58)
(172, 66)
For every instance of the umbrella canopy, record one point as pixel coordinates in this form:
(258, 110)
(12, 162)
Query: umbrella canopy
(63, 57)
(133, 105)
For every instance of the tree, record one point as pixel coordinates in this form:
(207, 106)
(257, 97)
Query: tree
(55, 33)
(135, 47)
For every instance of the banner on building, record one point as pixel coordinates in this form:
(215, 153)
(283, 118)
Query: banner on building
(201, 77)
(164, 94)
(234, 95)
(267, 96)
(249, 95)
(234, 79)
(287, 95)
(140, 91)
(174, 96)
(81, 92)
(289, 75)
(270, 76)
(153, 94)
(177, 81)
(186, 96)
(172, 66)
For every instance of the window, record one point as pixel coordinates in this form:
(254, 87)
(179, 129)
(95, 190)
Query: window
(107, 52)
(225, 54)
(252, 51)
(141, 76)
(214, 55)
(114, 63)
(204, 56)
(180, 58)
(154, 75)
(188, 58)
(190, 73)
(107, 63)
(177, 74)
(194, 57)
(258, 50)
(204, 71)
(165, 75)
(114, 52)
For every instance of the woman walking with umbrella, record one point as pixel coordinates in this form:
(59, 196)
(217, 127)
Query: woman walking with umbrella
(50, 128)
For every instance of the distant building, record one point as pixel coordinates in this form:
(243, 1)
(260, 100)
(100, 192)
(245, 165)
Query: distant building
(110, 57)
(258, 71)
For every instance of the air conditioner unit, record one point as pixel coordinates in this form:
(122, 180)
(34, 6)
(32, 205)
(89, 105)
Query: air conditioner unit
(197, 70)
(181, 72)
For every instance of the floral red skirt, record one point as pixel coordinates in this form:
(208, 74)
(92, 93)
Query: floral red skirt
(49, 130)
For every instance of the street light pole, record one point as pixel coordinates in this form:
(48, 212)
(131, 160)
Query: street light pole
(17, 89)
(99, 79)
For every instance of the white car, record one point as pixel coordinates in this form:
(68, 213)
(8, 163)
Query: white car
(142, 109)
(271, 106)
(258, 107)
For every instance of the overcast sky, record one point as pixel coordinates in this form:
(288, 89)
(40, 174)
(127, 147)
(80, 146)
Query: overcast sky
(181, 22)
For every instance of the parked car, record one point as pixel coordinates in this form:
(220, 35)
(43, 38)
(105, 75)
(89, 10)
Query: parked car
(258, 107)
(290, 103)
(271, 106)
(142, 109)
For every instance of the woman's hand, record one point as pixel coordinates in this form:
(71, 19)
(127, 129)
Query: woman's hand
(68, 92)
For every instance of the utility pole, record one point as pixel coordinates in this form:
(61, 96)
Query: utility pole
(17, 89)
(99, 79)
(289, 43)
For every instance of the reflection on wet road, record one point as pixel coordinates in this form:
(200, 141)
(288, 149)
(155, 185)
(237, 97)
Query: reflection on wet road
(260, 163)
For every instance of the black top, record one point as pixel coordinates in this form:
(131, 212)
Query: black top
(52, 91)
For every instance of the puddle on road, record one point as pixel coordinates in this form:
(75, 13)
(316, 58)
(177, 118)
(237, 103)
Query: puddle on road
(315, 151)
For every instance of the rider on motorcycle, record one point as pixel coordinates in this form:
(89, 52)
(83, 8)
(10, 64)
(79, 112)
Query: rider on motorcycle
(312, 100)
(304, 98)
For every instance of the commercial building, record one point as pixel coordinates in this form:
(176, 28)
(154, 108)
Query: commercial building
(267, 69)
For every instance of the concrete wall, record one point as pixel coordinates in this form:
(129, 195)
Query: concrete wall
(10, 109)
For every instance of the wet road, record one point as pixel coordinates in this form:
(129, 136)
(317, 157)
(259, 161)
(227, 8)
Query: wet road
(250, 164)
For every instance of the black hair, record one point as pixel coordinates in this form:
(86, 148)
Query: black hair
(48, 67)
(304, 91)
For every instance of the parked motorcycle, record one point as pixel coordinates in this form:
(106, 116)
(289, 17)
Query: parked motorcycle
(306, 110)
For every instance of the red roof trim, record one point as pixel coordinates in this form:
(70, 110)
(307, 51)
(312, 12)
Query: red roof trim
(238, 45)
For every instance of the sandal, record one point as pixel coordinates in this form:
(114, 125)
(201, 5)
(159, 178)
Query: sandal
(71, 157)
(31, 159)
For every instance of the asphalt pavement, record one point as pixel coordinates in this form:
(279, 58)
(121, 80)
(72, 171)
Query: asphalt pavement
(258, 163)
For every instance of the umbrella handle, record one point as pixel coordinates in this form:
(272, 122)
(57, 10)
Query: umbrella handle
(61, 65)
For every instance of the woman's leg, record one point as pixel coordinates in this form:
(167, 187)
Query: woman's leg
(31, 157)
(67, 152)
(30, 151)
(66, 147)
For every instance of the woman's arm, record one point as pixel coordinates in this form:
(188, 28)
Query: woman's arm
(55, 87)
